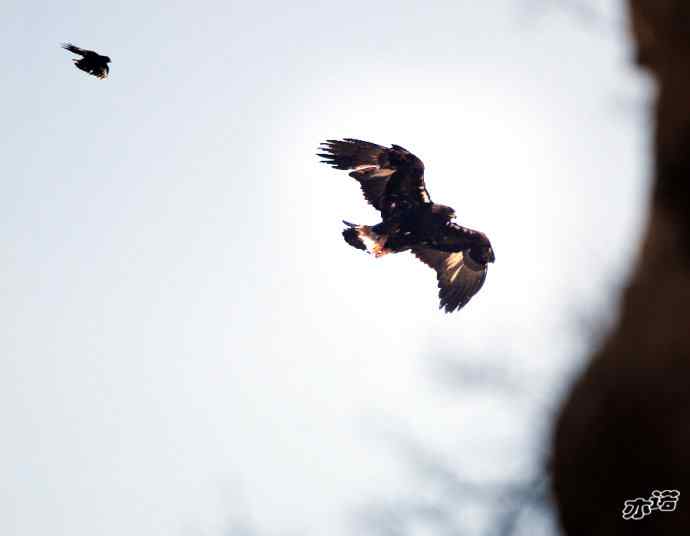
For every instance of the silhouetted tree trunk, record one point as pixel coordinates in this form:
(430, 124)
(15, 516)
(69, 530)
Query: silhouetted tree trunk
(624, 429)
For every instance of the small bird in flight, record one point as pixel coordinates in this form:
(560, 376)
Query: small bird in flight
(392, 180)
(91, 62)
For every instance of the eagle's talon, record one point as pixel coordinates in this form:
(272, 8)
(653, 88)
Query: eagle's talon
(379, 248)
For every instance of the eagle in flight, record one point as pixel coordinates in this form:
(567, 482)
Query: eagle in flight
(90, 61)
(392, 181)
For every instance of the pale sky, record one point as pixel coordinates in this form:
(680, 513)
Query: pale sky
(186, 338)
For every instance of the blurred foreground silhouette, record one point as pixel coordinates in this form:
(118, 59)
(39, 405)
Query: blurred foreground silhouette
(624, 430)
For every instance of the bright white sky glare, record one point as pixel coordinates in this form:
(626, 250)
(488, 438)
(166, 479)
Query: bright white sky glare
(186, 339)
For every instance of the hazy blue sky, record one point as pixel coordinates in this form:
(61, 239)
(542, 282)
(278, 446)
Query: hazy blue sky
(185, 336)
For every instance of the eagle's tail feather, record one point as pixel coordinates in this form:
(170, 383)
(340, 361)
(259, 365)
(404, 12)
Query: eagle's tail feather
(365, 238)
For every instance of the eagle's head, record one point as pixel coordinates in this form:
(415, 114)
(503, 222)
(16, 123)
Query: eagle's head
(443, 211)
(482, 254)
(482, 251)
(106, 59)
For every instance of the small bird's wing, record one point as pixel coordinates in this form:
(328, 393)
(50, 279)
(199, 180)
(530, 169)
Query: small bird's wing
(379, 170)
(459, 276)
(76, 49)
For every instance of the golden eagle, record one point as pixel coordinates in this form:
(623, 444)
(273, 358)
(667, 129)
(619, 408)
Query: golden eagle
(392, 180)
(90, 61)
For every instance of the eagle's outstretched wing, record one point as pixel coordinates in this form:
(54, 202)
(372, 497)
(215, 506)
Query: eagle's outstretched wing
(379, 170)
(76, 50)
(459, 276)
